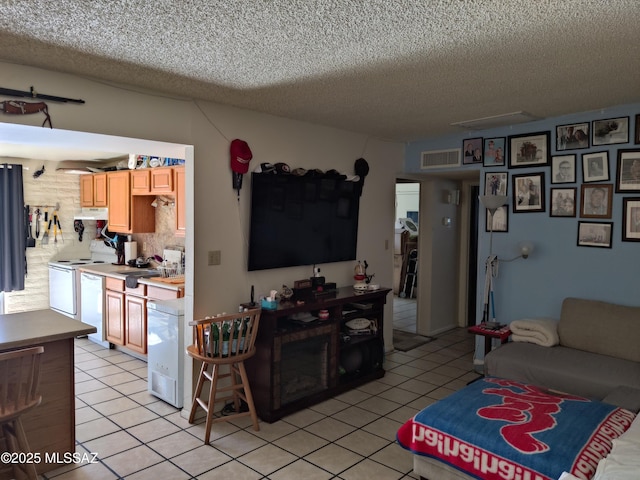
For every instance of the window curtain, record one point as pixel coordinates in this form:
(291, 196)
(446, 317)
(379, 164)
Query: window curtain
(13, 262)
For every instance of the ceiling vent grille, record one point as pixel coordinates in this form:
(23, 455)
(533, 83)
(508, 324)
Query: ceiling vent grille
(440, 158)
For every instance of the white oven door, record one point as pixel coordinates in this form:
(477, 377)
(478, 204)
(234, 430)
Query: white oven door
(62, 290)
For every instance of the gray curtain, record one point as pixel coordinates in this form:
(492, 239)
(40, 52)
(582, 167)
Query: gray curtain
(13, 261)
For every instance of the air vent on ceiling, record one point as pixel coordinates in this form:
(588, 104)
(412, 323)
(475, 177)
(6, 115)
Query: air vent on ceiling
(440, 158)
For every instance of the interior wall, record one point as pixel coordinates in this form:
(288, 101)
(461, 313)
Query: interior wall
(438, 258)
(558, 267)
(221, 220)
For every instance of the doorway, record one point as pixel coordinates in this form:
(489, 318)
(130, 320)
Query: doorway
(405, 289)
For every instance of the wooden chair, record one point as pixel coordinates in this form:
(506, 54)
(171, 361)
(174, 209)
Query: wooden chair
(224, 340)
(19, 378)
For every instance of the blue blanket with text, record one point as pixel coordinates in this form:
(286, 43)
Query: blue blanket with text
(496, 429)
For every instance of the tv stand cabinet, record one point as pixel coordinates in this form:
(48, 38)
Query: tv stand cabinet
(298, 363)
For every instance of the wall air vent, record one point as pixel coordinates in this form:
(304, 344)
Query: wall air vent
(440, 158)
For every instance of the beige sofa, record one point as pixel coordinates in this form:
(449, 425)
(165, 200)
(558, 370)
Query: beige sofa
(598, 355)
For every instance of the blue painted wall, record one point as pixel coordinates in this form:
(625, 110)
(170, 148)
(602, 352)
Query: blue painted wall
(558, 268)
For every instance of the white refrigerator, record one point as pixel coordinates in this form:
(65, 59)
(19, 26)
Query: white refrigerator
(166, 350)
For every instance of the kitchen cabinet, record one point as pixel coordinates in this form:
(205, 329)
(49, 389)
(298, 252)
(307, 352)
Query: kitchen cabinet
(140, 182)
(126, 312)
(162, 181)
(128, 213)
(181, 222)
(114, 311)
(93, 190)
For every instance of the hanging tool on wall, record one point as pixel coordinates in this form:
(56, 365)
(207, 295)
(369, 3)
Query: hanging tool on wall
(31, 242)
(47, 222)
(78, 227)
(60, 228)
(55, 226)
(38, 217)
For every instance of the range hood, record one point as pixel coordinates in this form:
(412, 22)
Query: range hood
(91, 213)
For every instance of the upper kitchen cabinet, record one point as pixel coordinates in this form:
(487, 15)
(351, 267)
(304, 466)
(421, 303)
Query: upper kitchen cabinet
(181, 223)
(152, 181)
(128, 213)
(93, 190)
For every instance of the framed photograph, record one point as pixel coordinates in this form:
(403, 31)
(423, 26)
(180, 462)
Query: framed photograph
(495, 183)
(628, 172)
(563, 169)
(529, 150)
(572, 137)
(494, 151)
(595, 167)
(610, 131)
(594, 234)
(595, 200)
(528, 192)
(500, 220)
(631, 219)
(637, 138)
(472, 149)
(563, 202)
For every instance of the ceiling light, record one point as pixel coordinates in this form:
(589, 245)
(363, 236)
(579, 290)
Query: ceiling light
(496, 121)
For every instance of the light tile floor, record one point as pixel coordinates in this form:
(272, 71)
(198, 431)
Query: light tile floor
(404, 314)
(349, 437)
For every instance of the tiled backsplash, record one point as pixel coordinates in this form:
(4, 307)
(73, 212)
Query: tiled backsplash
(164, 235)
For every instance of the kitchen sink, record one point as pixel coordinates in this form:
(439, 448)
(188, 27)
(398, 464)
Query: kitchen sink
(144, 273)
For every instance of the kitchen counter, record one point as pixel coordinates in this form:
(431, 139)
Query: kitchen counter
(50, 427)
(121, 271)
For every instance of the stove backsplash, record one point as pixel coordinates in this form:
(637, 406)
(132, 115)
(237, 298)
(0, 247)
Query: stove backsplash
(164, 235)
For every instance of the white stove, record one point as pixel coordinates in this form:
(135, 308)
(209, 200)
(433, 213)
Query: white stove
(64, 278)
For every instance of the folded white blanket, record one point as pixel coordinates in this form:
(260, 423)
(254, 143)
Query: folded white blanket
(541, 331)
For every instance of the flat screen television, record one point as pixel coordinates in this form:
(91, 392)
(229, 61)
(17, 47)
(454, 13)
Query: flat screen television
(302, 220)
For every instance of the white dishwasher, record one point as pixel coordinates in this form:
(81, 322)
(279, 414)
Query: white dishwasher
(92, 305)
(166, 350)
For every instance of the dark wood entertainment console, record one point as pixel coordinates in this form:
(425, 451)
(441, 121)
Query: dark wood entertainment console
(298, 364)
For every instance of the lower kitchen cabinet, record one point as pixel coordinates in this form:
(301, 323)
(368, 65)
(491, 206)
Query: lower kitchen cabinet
(126, 312)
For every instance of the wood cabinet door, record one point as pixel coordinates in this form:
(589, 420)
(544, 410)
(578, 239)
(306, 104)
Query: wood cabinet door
(119, 193)
(140, 182)
(162, 181)
(114, 317)
(86, 190)
(99, 189)
(136, 319)
(181, 221)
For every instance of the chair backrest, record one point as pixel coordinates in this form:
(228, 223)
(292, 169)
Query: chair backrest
(227, 336)
(19, 379)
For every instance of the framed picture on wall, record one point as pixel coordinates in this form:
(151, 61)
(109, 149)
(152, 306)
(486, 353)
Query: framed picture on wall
(500, 220)
(572, 137)
(495, 183)
(610, 131)
(595, 167)
(472, 150)
(563, 202)
(563, 169)
(528, 192)
(594, 234)
(595, 200)
(631, 219)
(529, 150)
(628, 172)
(494, 152)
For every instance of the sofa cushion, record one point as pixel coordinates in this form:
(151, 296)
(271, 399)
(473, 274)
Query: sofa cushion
(600, 327)
(561, 368)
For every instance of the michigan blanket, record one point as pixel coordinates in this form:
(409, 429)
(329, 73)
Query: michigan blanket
(496, 429)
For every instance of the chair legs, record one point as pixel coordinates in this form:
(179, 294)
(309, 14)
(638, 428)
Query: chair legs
(16, 441)
(239, 391)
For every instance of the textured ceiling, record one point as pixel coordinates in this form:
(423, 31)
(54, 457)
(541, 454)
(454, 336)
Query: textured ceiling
(394, 69)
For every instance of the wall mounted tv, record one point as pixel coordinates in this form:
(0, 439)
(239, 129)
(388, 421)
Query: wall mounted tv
(302, 220)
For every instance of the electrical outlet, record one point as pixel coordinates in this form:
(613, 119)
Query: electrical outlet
(214, 257)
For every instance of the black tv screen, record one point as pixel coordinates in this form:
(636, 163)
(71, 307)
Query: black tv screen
(302, 220)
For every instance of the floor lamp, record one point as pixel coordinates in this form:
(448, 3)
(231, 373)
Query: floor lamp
(491, 203)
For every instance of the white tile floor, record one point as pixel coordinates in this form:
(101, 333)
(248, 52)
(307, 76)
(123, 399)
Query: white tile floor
(404, 314)
(350, 437)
